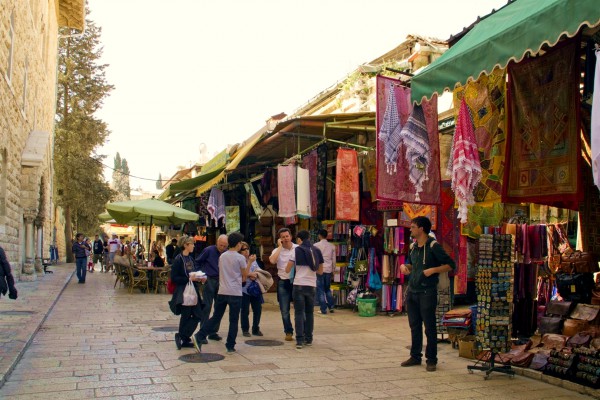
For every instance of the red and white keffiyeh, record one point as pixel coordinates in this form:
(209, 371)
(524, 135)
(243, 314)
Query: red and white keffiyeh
(466, 167)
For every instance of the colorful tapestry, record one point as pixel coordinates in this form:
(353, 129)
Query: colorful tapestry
(410, 211)
(544, 156)
(232, 220)
(216, 205)
(347, 199)
(460, 274)
(398, 187)
(303, 193)
(389, 132)
(309, 162)
(447, 234)
(253, 199)
(464, 162)
(485, 101)
(481, 216)
(286, 182)
(321, 181)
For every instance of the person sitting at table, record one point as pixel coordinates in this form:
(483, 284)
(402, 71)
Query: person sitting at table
(156, 258)
(126, 259)
(191, 316)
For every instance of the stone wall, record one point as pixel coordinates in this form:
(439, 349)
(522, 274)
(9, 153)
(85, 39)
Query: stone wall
(27, 104)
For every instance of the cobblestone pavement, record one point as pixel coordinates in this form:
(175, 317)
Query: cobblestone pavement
(103, 342)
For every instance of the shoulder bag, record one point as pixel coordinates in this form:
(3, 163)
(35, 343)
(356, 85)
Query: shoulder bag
(361, 266)
(374, 279)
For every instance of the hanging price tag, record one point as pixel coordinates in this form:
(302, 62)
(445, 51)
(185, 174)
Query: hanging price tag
(573, 290)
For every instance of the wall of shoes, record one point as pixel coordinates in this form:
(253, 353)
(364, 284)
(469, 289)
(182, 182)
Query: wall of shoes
(495, 292)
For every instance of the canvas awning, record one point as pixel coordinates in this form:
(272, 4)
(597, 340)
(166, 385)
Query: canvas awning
(519, 28)
(193, 183)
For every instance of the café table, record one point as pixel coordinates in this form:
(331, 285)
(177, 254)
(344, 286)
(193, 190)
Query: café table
(151, 274)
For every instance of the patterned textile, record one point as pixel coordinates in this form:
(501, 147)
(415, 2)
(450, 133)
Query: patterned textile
(216, 205)
(447, 234)
(410, 211)
(485, 101)
(389, 132)
(347, 199)
(466, 169)
(418, 155)
(460, 274)
(253, 199)
(595, 125)
(286, 181)
(544, 155)
(480, 216)
(303, 193)
(268, 186)
(309, 162)
(232, 221)
(321, 181)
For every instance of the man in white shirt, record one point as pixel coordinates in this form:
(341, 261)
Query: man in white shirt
(324, 295)
(114, 245)
(280, 256)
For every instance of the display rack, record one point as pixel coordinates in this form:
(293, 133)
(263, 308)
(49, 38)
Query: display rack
(494, 301)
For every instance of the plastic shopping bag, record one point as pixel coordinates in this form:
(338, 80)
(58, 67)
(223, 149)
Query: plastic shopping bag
(190, 297)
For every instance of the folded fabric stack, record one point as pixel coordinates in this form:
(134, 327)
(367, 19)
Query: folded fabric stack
(459, 318)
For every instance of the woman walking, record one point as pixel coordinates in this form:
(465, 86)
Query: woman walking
(183, 266)
(250, 299)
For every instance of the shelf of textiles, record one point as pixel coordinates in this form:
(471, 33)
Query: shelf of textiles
(392, 290)
(494, 286)
(337, 231)
(393, 239)
(340, 293)
(587, 368)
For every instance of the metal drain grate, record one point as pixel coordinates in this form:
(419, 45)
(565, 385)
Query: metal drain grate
(264, 342)
(165, 329)
(201, 357)
(13, 312)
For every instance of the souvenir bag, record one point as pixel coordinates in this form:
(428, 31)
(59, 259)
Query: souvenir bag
(361, 265)
(190, 297)
(374, 279)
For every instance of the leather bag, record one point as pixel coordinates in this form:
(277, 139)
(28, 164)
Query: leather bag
(579, 339)
(585, 312)
(553, 341)
(559, 308)
(575, 287)
(550, 325)
(539, 361)
(572, 327)
(579, 261)
(523, 359)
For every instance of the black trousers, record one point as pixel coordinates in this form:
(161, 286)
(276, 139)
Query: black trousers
(421, 311)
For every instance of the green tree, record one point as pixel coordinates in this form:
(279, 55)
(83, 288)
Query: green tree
(159, 181)
(81, 189)
(120, 179)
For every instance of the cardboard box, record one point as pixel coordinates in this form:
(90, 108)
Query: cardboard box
(467, 347)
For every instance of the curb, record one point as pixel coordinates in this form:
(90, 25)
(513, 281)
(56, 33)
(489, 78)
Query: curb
(30, 337)
(539, 376)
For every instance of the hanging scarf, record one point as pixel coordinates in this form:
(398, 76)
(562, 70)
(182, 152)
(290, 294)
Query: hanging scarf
(347, 201)
(416, 139)
(389, 133)
(286, 180)
(466, 170)
(216, 205)
(303, 192)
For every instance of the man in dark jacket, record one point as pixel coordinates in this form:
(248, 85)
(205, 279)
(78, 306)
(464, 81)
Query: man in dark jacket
(79, 251)
(98, 251)
(426, 260)
(7, 282)
(171, 251)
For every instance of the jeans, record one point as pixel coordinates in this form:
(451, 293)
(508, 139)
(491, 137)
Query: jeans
(324, 292)
(421, 310)
(248, 301)
(304, 317)
(211, 288)
(81, 264)
(284, 297)
(234, 303)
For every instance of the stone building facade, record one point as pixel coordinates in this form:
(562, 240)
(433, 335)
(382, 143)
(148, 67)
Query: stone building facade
(28, 76)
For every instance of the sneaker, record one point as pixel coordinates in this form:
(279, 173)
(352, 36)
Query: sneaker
(289, 337)
(246, 334)
(197, 343)
(257, 333)
(308, 344)
(299, 345)
(230, 351)
(187, 345)
(431, 367)
(215, 336)
(178, 342)
(204, 341)
(410, 362)
(331, 310)
(323, 312)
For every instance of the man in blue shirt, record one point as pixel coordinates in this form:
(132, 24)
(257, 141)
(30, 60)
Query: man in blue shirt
(208, 262)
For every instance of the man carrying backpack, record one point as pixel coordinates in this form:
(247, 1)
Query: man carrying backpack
(425, 262)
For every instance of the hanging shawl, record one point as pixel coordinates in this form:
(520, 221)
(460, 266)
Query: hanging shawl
(596, 124)
(286, 182)
(216, 205)
(466, 169)
(416, 139)
(389, 133)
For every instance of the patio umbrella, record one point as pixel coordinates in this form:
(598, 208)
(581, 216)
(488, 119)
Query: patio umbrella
(149, 211)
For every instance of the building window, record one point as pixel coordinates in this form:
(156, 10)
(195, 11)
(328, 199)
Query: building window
(11, 45)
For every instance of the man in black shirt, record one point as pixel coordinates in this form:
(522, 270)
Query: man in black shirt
(170, 249)
(98, 251)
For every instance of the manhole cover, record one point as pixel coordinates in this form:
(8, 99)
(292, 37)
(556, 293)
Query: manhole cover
(201, 357)
(17, 312)
(264, 342)
(165, 329)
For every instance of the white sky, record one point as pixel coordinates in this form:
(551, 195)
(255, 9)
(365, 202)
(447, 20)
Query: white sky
(188, 72)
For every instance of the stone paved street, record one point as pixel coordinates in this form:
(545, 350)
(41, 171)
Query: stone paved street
(103, 342)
